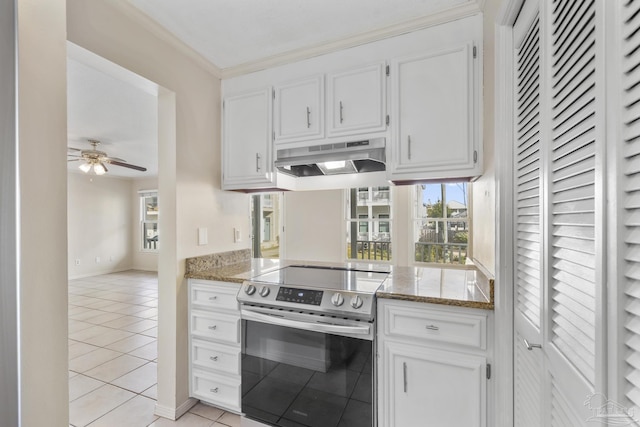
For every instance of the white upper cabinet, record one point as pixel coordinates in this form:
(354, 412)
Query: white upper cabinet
(299, 110)
(435, 103)
(356, 101)
(246, 143)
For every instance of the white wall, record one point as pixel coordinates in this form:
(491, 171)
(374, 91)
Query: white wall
(8, 220)
(42, 141)
(315, 228)
(189, 172)
(147, 261)
(100, 224)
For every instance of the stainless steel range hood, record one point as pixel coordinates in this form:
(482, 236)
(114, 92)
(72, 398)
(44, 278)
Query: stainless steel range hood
(333, 159)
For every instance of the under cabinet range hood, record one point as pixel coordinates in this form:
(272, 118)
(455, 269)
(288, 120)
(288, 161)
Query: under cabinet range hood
(333, 159)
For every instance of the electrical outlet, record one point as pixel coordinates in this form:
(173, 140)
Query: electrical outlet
(77, 262)
(97, 260)
(236, 235)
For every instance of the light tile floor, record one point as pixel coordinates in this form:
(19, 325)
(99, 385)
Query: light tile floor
(113, 355)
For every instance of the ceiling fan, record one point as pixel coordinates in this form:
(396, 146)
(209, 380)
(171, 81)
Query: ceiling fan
(96, 159)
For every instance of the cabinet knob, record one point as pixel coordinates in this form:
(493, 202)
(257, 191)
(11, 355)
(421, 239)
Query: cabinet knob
(214, 390)
(213, 327)
(213, 298)
(214, 358)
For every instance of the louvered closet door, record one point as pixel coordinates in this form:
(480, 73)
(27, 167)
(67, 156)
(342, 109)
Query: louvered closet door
(574, 218)
(630, 187)
(527, 218)
(558, 213)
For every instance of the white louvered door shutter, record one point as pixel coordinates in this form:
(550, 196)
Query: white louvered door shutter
(574, 242)
(630, 187)
(527, 217)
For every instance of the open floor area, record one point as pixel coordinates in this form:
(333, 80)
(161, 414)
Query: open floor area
(113, 355)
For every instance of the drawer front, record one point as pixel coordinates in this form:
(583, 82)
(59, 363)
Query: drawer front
(218, 357)
(433, 325)
(215, 295)
(216, 390)
(216, 326)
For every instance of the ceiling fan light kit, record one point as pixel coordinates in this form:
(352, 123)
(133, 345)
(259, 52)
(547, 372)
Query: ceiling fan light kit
(95, 159)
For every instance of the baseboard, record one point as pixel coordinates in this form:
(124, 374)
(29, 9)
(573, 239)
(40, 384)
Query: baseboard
(98, 272)
(175, 413)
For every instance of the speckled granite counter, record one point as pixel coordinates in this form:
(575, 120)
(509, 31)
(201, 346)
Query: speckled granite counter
(464, 287)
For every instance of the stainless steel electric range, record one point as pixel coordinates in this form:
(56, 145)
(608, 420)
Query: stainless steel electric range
(308, 347)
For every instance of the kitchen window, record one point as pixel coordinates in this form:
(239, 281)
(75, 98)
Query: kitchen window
(368, 221)
(441, 225)
(149, 221)
(265, 224)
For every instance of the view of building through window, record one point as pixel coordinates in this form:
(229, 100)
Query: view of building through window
(149, 220)
(441, 225)
(369, 223)
(265, 225)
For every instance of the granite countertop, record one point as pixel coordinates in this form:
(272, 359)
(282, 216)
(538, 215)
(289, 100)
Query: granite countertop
(464, 287)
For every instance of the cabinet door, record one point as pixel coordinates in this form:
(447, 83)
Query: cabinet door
(428, 387)
(433, 115)
(356, 100)
(299, 110)
(246, 143)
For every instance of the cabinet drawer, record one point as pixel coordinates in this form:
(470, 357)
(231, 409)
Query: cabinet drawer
(216, 389)
(218, 357)
(216, 326)
(215, 295)
(434, 325)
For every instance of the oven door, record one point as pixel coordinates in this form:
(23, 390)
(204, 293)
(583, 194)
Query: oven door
(307, 370)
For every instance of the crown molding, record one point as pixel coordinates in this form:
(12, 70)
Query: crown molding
(165, 35)
(457, 12)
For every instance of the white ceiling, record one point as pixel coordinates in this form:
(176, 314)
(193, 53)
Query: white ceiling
(232, 32)
(116, 107)
(119, 108)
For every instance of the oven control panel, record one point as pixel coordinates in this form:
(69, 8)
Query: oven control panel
(321, 301)
(300, 296)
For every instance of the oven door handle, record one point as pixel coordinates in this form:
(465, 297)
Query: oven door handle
(309, 326)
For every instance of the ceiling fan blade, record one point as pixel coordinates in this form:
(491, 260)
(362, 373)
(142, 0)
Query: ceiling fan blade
(73, 160)
(73, 149)
(126, 165)
(74, 155)
(112, 159)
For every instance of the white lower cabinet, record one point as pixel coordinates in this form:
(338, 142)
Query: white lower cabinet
(432, 365)
(214, 343)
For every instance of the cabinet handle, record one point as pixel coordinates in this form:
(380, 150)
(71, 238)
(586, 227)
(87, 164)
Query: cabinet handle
(432, 327)
(213, 298)
(409, 147)
(257, 162)
(531, 346)
(308, 117)
(341, 117)
(214, 390)
(214, 358)
(404, 375)
(213, 327)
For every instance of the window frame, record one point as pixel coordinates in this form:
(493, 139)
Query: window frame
(372, 224)
(143, 195)
(415, 199)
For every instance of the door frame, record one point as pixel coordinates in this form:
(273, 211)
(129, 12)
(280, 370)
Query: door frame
(504, 292)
